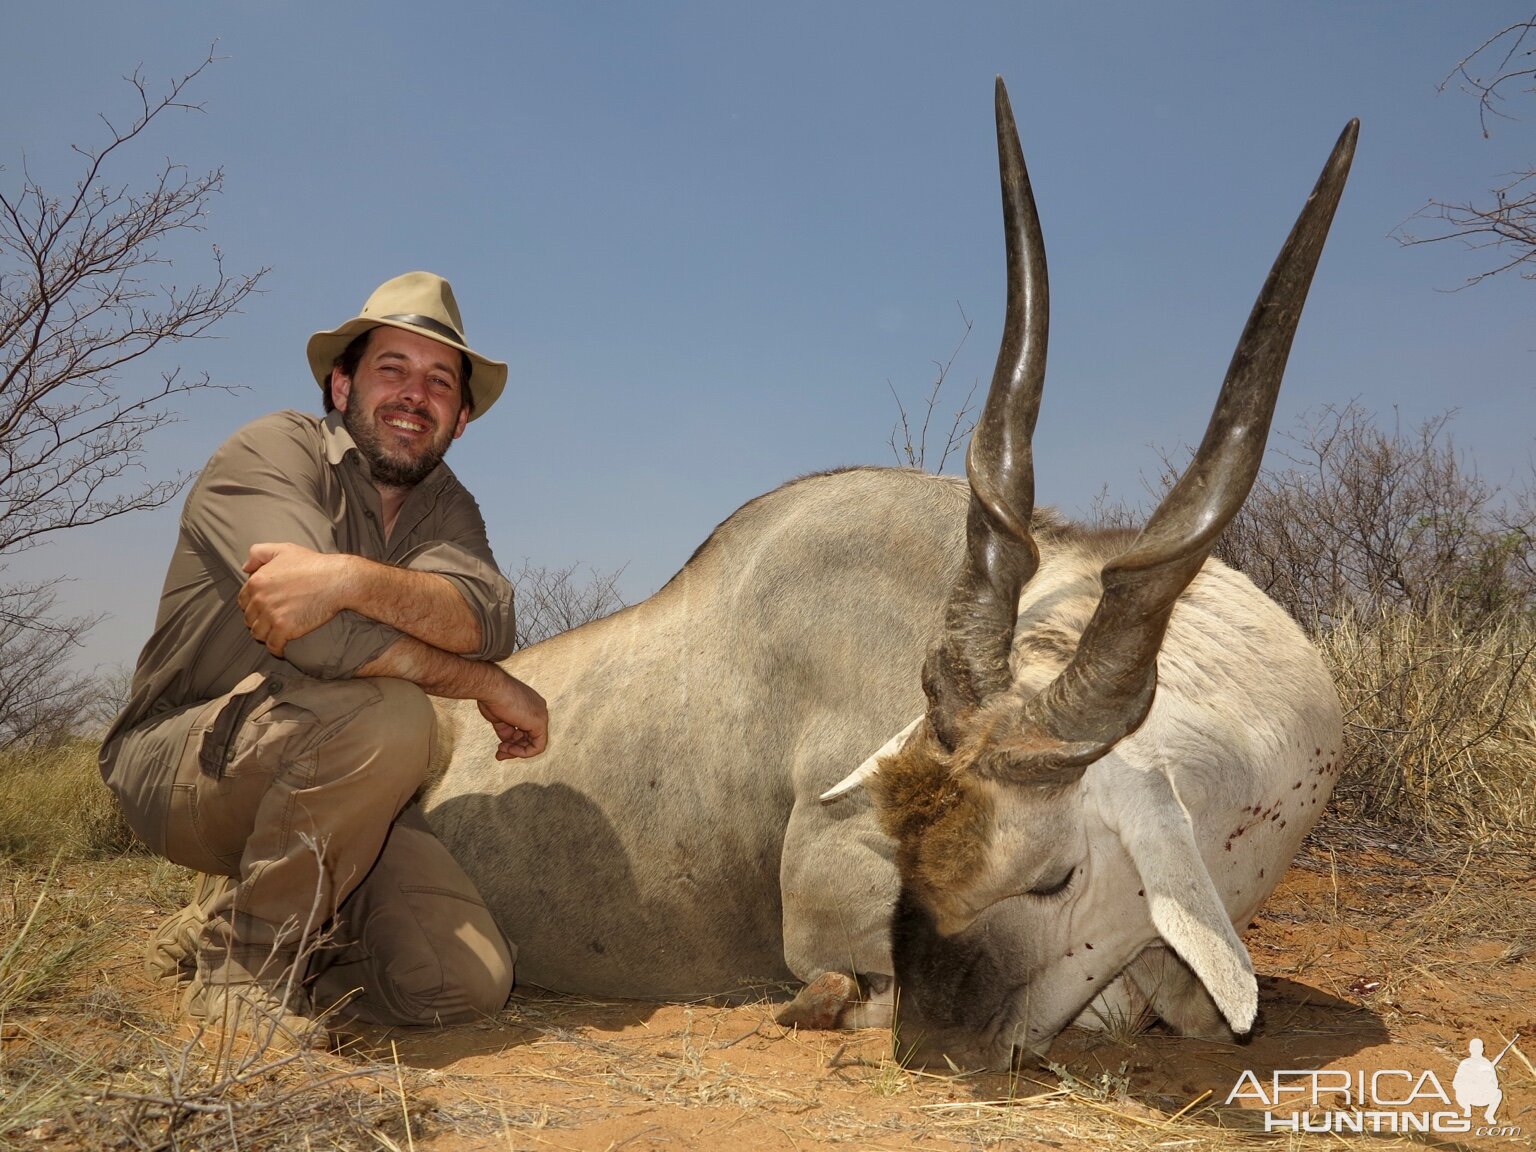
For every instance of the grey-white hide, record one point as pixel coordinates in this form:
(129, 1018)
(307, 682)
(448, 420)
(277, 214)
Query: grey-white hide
(671, 842)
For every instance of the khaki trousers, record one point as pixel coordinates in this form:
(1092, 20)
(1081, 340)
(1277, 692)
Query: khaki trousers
(299, 789)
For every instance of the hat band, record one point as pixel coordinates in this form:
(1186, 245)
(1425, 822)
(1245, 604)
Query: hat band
(429, 324)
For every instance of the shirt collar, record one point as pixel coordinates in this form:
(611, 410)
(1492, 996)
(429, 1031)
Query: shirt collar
(334, 435)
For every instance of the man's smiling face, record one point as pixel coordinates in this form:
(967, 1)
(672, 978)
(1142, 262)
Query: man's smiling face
(403, 406)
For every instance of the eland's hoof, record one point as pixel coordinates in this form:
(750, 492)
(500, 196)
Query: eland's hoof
(821, 1003)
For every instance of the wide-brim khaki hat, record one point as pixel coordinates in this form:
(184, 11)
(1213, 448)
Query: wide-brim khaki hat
(419, 302)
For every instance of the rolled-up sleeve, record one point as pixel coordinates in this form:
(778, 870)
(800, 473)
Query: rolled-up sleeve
(340, 646)
(462, 554)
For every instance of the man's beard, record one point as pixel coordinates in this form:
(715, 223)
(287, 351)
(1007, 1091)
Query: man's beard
(397, 470)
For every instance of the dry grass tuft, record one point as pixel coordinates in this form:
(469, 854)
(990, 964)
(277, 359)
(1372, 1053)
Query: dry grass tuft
(1440, 724)
(86, 1061)
(52, 800)
(50, 936)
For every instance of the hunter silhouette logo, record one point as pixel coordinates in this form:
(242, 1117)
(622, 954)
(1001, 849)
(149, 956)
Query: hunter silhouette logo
(1388, 1100)
(1477, 1080)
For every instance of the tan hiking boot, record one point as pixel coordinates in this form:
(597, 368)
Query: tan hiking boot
(248, 1019)
(172, 953)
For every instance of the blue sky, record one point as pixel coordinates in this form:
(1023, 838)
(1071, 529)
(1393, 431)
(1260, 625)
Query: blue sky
(710, 238)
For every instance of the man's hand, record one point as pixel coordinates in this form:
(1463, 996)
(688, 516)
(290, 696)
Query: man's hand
(519, 716)
(291, 592)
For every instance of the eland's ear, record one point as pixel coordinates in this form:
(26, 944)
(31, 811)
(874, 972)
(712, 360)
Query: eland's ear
(861, 774)
(1186, 908)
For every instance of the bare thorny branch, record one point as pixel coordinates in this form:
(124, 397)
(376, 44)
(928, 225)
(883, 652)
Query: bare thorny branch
(85, 293)
(1511, 46)
(1504, 62)
(76, 307)
(1355, 520)
(40, 700)
(552, 600)
(914, 453)
(1508, 223)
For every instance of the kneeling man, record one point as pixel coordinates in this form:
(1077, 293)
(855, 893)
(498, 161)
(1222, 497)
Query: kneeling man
(330, 574)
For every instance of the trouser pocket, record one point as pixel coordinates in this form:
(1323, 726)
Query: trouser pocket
(213, 801)
(145, 767)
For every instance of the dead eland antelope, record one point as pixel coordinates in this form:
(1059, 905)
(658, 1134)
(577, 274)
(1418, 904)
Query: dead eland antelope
(1122, 745)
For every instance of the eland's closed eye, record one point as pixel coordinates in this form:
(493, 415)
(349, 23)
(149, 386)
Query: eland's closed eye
(1054, 887)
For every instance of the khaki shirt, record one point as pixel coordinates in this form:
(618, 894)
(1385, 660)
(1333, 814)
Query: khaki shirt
(299, 479)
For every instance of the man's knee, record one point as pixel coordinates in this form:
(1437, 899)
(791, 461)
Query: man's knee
(417, 944)
(450, 977)
(378, 725)
(402, 720)
(475, 985)
(417, 980)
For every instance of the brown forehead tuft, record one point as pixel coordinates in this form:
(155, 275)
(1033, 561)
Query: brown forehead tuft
(940, 818)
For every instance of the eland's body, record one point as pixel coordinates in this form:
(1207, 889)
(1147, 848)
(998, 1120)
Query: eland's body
(672, 841)
(1119, 743)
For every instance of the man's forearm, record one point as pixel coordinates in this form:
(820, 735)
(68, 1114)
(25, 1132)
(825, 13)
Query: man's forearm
(420, 604)
(515, 711)
(434, 671)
